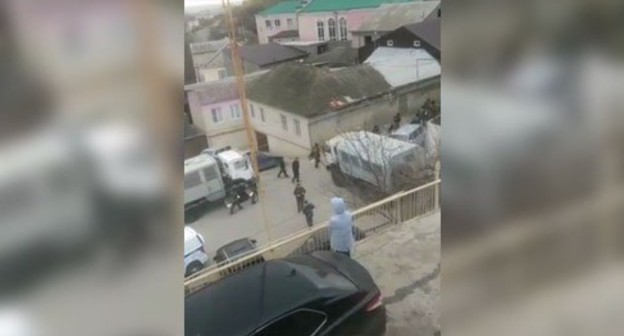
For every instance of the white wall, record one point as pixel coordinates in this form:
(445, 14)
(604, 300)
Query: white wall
(282, 142)
(264, 33)
(209, 75)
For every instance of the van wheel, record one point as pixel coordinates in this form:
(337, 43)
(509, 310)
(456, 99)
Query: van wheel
(193, 268)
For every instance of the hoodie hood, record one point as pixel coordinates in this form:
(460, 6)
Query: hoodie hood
(338, 205)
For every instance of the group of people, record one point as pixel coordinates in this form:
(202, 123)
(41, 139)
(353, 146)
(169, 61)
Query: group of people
(424, 114)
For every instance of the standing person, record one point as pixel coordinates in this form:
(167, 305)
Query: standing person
(397, 120)
(376, 129)
(316, 154)
(308, 211)
(299, 196)
(282, 167)
(341, 228)
(295, 169)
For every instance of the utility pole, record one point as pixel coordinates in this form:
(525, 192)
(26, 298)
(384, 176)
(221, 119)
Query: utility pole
(240, 83)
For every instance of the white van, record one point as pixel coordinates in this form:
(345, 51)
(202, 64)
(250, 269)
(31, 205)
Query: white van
(195, 257)
(233, 164)
(202, 180)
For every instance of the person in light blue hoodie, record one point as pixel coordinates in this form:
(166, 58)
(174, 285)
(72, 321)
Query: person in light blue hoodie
(341, 228)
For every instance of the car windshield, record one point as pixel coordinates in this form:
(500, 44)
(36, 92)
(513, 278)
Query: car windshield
(241, 164)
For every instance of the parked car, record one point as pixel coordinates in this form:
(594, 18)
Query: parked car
(266, 160)
(195, 257)
(319, 241)
(323, 293)
(234, 251)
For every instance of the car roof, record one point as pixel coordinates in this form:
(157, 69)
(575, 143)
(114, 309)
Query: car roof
(229, 156)
(240, 303)
(236, 247)
(189, 234)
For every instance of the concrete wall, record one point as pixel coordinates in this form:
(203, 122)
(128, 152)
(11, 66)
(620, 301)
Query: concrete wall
(282, 142)
(228, 132)
(264, 32)
(237, 138)
(194, 146)
(307, 22)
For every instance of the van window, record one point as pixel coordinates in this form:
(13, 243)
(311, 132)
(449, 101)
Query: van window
(241, 164)
(191, 180)
(210, 173)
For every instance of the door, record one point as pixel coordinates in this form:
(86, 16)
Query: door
(262, 142)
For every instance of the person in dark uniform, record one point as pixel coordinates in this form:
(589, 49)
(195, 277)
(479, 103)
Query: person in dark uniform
(299, 196)
(238, 190)
(295, 170)
(316, 154)
(397, 120)
(282, 167)
(376, 129)
(308, 212)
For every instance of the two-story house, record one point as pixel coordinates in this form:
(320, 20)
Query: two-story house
(278, 19)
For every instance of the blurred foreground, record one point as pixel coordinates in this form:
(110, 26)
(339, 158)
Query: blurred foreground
(89, 136)
(533, 168)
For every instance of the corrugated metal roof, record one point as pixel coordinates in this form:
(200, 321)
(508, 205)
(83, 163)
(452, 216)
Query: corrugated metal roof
(286, 7)
(428, 30)
(269, 53)
(389, 17)
(221, 90)
(401, 66)
(342, 5)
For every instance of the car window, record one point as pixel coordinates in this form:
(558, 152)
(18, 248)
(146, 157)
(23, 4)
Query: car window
(300, 323)
(192, 245)
(320, 275)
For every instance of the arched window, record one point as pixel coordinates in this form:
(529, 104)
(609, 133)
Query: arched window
(331, 25)
(320, 29)
(343, 29)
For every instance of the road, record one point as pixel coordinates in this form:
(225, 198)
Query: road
(219, 227)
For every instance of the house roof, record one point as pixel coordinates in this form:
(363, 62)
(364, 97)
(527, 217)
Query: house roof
(401, 66)
(309, 91)
(286, 33)
(428, 30)
(339, 56)
(389, 17)
(342, 5)
(208, 46)
(285, 7)
(221, 90)
(270, 53)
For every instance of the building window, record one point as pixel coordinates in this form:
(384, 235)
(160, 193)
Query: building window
(268, 23)
(416, 43)
(320, 30)
(262, 115)
(289, 22)
(221, 73)
(235, 112)
(277, 23)
(252, 110)
(390, 43)
(331, 25)
(284, 122)
(297, 127)
(217, 116)
(343, 29)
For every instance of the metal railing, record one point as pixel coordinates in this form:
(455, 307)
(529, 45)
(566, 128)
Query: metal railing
(368, 221)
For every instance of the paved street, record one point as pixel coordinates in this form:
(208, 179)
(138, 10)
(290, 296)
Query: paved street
(405, 263)
(219, 227)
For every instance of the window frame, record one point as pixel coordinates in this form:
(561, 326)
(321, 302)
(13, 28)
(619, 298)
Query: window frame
(252, 111)
(277, 23)
(331, 27)
(268, 24)
(235, 112)
(297, 127)
(416, 43)
(389, 43)
(279, 318)
(284, 121)
(345, 32)
(320, 30)
(214, 112)
(262, 117)
(289, 22)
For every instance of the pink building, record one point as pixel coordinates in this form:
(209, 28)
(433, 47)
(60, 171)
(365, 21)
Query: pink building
(317, 20)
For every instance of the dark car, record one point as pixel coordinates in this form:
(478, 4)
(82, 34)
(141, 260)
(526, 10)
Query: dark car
(319, 241)
(323, 293)
(266, 161)
(236, 250)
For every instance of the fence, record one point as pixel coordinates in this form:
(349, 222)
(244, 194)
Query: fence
(368, 221)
